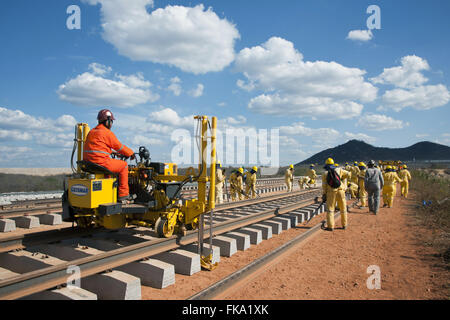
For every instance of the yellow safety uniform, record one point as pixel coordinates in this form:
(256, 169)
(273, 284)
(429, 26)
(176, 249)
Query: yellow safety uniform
(302, 182)
(406, 177)
(389, 188)
(288, 177)
(354, 174)
(312, 177)
(362, 189)
(236, 186)
(344, 187)
(333, 195)
(220, 178)
(353, 189)
(250, 184)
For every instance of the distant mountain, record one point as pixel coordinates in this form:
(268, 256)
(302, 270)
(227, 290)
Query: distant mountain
(356, 150)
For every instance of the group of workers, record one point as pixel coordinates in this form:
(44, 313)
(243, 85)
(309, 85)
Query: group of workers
(363, 182)
(237, 179)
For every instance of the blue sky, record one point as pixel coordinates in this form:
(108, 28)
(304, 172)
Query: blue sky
(287, 65)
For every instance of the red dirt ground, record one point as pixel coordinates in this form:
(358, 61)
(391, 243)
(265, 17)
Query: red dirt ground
(333, 265)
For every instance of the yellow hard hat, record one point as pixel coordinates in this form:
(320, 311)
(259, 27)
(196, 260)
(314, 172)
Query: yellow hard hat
(291, 166)
(361, 164)
(329, 161)
(311, 165)
(336, 164)
(241, 170)
(388, 167)
(255, 169)
(405, 166)
(220, 165)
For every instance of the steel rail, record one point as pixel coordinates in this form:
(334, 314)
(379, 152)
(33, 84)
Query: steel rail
(29, 211)
(230, 205)
(49, 277)
(23, 240)
(47, 204)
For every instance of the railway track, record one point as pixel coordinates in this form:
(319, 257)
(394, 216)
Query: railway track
(39, 206)
(40, 262)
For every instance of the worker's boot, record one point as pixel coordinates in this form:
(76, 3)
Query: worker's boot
(127, 199)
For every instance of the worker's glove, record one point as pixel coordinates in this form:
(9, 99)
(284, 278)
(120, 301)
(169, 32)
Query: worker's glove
(324, 198)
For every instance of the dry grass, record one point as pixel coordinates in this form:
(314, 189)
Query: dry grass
(433, 210)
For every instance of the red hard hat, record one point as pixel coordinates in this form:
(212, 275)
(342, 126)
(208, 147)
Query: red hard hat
(104, 114)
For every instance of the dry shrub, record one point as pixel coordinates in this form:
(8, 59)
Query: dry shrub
(433, 210)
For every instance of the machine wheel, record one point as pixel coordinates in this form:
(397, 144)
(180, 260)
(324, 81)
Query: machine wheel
(84, 222)
(194, 224)
(162, 228)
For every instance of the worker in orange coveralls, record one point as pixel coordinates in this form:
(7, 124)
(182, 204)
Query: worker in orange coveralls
(98, 147)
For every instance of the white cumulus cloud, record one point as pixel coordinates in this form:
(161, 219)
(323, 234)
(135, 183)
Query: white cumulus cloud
(16, 125)
(380, 122)
(94, 90)
(193, 39)
(360, 35)
(170, 117)
(293, 86)
(420, 98)
(408, 75)
(410, 85)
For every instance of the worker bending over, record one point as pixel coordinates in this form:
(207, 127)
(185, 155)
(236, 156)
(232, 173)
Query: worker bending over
(312, 176)
(289, 177)
(332, 192)
(406, 177)
(389, 189)
(303, 182)
(220, 178)
(236, 185)
(99, 144)
(352, 189)
(250, 183)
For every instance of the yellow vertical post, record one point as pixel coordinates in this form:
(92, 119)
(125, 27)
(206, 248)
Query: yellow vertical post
(203, 167)
(212, 180)
(86, 130)
(79, 138)
(82, 130)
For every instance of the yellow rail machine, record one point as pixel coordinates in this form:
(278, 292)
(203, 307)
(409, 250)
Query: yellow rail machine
(90, 193)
